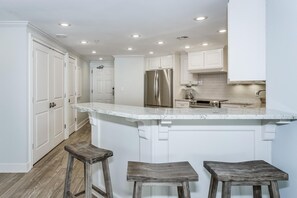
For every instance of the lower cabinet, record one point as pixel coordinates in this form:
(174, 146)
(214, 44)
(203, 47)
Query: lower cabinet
(182, 104)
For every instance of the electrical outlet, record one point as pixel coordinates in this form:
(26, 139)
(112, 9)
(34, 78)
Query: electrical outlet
(199, 82)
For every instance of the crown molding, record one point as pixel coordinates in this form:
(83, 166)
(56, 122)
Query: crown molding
(14, 23)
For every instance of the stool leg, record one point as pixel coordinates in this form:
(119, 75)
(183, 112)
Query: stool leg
(180, 192)
(273, 190)
(107, 180)
(88, 180)
(68, 175)
(186, 190)
(257, 191)
(137, 191)
(213, 186)
(226, 190)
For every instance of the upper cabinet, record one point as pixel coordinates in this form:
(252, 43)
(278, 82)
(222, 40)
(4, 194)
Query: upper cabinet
(246, 41)
(207, 61)
(185, 76)
(162, 62)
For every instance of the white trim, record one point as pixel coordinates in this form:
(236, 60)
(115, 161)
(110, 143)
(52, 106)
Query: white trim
(15, 167)
(82, 123)
(30, 100)
(14, 23)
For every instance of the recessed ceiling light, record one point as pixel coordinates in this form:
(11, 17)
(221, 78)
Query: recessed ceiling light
(65, 24)
(187, 46)
(160, 42)
(84, 42)
(135, 36)
(222, 31)
(94, 52)
(201, 18)
(100, 58)
(130, 48)
(151, 52)
(204, 44)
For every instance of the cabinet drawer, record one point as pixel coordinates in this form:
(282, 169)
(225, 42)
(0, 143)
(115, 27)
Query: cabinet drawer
(182, 104)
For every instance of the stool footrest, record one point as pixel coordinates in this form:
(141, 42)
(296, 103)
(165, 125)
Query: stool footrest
(80, 193)
(98, 190)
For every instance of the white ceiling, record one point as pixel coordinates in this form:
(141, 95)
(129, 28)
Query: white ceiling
(113, 21)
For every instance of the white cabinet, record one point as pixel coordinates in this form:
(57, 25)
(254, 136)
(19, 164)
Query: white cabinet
(186, 77)
(162, 62)
(182, 104)
(246, 41)
(207, 61)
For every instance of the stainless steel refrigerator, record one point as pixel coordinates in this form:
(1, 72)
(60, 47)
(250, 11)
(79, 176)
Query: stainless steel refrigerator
(159, 88)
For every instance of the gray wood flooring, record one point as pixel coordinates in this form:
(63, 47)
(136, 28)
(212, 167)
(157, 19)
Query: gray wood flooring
(46, 179)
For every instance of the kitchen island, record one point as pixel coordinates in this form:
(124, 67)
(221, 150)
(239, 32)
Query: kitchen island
(168, 135)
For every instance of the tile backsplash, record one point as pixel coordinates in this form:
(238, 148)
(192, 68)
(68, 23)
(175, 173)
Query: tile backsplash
(214, 86)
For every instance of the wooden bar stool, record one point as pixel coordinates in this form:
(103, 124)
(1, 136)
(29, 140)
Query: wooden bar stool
(250, 173)
(88, 154)
(177, 173)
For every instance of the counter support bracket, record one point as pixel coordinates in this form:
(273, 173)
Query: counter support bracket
(269, 128)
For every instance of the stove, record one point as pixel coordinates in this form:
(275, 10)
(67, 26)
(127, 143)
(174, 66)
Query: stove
(206, 103)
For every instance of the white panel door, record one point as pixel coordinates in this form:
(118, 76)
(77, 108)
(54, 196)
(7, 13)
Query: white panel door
(71, 96)
(41, 127)
(57, 97)
(103, 84)
(48, 120)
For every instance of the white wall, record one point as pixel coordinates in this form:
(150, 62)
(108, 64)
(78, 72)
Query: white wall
(281, 84)
(129, 80)
(14, 96)
(85, 87)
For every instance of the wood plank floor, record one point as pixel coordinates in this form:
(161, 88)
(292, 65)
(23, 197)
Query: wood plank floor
(46, 179)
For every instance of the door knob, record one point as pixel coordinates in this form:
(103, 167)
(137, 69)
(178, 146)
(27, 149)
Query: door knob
(50, 105)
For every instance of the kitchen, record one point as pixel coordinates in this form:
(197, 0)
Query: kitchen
(276, 92)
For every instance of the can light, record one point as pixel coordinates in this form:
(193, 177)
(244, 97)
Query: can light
(200, 18)
(84, 42)
(65, 24)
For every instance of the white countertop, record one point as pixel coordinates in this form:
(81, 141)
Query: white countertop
(145, 113)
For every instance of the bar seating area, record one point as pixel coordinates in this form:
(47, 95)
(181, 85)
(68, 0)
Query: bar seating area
(249, 173)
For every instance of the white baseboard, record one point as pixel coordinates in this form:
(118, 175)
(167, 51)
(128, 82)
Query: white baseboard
(15, 167)
(81, 124)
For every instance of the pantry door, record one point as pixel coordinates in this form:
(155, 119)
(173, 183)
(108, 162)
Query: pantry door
(41, 127)
(48, 99)
(57, 97)
(103, 84)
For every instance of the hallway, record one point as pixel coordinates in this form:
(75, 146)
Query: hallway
(46, 179)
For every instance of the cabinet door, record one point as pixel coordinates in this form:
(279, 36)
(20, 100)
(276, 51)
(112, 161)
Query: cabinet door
(196, 60)
(185, 76)
(246, 61)
(155, 63)
(167, 61)
(213, 59)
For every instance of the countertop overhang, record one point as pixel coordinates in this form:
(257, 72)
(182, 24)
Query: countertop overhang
(146, 113)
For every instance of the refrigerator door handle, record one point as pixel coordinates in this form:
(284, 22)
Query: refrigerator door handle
(157, 87)
(155, 95)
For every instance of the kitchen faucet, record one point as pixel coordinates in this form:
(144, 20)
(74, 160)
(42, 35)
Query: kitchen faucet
(258, 92)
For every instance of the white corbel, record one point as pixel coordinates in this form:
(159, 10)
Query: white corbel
(143, 127)
(93, 118)
(164, 126)
(269, 128)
